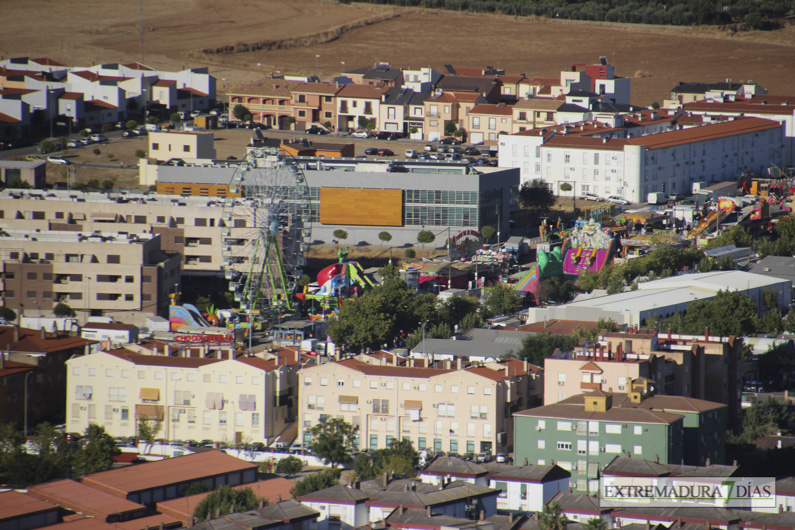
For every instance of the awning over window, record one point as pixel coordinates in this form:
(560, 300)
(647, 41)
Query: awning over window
(214, 401)
(349, 399)
(103, 216)
(411, 404)
(79, 216)
(152, 412)
(150, 394)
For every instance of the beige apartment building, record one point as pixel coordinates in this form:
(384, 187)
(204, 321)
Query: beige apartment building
(121, 274)
(242, 400)
(314, 103)
(188, 226)
(166, 145)
(698, 366)
(485, 122)
(449, 409)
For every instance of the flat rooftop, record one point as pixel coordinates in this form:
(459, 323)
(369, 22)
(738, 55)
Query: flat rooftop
(15, 504)
(63, 236)
(84, 499)
(177, 470)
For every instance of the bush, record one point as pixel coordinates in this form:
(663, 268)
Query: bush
(47, 146)
(132, 124)
(340, 234)
(411, 253)
(140, 153)
(8, 314)
(97, 151)
(63, 311)
(108, 127)
(488, 232)
(425, 237)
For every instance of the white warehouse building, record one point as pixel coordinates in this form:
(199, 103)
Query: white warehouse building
(667, 162)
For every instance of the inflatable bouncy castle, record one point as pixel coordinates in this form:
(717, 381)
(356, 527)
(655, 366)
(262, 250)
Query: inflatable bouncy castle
(590, 248)
(337, 282)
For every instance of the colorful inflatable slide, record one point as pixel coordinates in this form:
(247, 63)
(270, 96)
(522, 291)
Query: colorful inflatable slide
(590, 249)
(337, 282)
(548, 264)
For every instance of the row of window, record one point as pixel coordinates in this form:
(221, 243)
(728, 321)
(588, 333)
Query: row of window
(440, 197)
(440, 216)
(177, 415)
(405, 385)
(592, 427)
(590, 447)
(174, 376)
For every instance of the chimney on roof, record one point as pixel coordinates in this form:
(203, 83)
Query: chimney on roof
(482, 515)
(507, 370)
(458, 363)
(2, 360)
(400, 509)
(427, 511)
(16, 333)
(42, 333)
(525, 366)
(385, 480)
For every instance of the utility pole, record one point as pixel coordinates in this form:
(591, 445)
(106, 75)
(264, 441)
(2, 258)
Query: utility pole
(141, 24)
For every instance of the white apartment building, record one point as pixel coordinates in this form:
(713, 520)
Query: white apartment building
(455, 410)
(667, 162)
(243, 400)
(421, 79)
(166, 145)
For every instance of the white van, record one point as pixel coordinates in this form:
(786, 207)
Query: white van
(411, 153)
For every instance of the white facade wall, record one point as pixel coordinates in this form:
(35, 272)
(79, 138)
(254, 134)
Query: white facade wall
(350, 515)
(537, 494)
(633, 171)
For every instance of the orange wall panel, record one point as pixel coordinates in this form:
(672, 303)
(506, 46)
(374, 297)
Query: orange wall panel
(361, 207)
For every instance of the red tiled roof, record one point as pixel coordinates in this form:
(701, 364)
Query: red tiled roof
(122, 481)
(13, 367)
(6, 72)
(30, 341)
(393, 371)
(71, 95)
(188, 90)
(22, 91)
(165, 82)
(99, 104)
(360, 91)
(5, 118)
(137, 66)
(511, 78)
(613, 144)
(488, 373)
(85, 74)
(78, 497)
(487, 108)
(79, 522)
(46, 61)
(328, 89)
(160, 360)
(145, 523)
(706, 132)
(757, 105)
(272, 490)
(555, 81)
(16, 504)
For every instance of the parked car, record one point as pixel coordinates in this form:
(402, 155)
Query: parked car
(501, 458)
(57, 159)
(140, 131)
(99, 137)
(371, 151)
(494, 163)
(128, 134)
(383, 136)
(361, 134)
(385, 152)
(618, 200)
(450, 140)
(195, 113)
(395, 136)
(411, 153)
(430, 148)
(588, 196)
(482, 161)
(471, 151)
(86, 141)
(316, 130)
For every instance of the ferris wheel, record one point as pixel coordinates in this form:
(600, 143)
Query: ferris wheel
(266, 231)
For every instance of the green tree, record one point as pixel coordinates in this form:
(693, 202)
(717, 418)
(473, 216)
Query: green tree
(425, 237)
(552, 518)
(535, 195)
(196, 488)
(450, 128)
(472, 320)
(340, 234)
(536, 348)
(332, 440)
(239, 112)
(11, 441)
(98, 451)
(595, 523)
(389, 271)
(766, 417)
(399, 460)
(556, 290)
(456, 308)
(385, 236)
(148, 429)
(289, 466)
(8, 314)
(729, 313)
(140, 153)
(227, 500)
(316, 482)
(63, 311)
(502, 300)
(410, 253)
(47, 146)
(565, 187)
(108, 127)
(176, 117)
(488, 232)
(131, 124)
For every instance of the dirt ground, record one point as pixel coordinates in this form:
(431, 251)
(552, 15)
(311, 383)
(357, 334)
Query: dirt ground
(176, 32)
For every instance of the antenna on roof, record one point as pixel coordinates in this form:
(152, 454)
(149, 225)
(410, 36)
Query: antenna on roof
(603, 60)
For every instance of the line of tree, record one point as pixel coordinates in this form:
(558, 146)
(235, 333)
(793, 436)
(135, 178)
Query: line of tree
(54, 454)
(745, 14)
